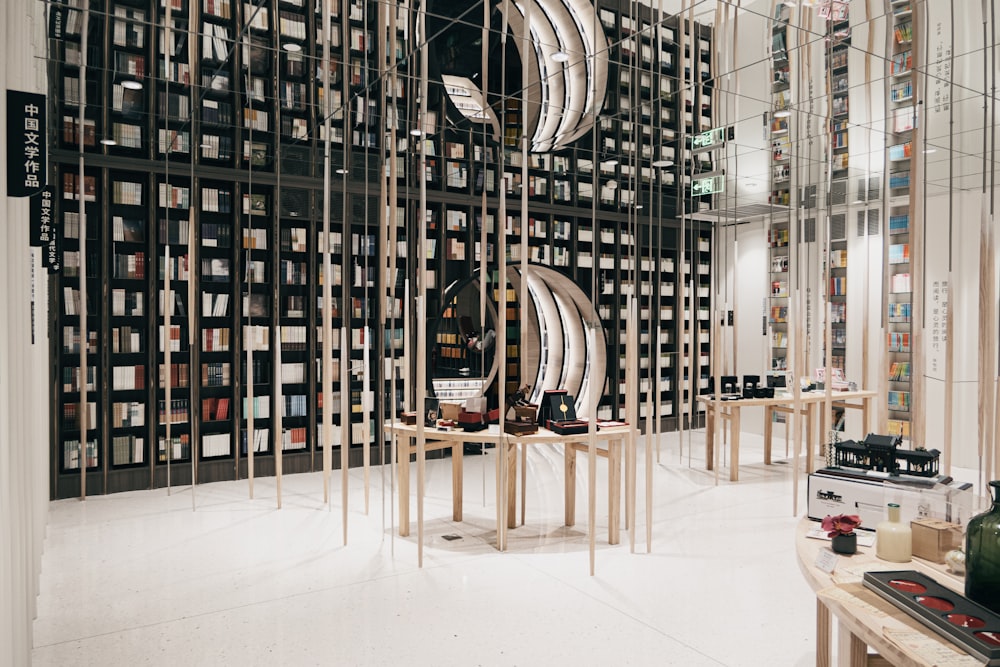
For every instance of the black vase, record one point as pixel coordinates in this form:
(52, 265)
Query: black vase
(845, 544)
(982, 555)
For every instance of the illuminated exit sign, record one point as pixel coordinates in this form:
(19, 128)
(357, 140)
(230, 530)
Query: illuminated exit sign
(711, 138)
(709, 185)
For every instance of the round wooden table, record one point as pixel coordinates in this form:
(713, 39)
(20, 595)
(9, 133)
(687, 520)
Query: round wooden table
(865, 619)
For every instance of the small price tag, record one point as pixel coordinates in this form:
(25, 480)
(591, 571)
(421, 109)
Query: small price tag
(826, 560)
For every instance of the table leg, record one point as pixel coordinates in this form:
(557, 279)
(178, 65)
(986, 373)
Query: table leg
(734, 451)
(524, 477)
(710, 435)
(403, 470)
(823, 632)
(570, 477)
(511, 462)
(457, 465)
(810, 438)
(614, 489)
(850, 649)
(768, 432)
(825, 417)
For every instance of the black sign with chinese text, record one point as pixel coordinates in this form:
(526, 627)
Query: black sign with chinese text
(52, 250)
(25, 143)
(41, 217)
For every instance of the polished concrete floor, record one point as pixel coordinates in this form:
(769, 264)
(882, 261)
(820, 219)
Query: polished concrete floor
(142, 579)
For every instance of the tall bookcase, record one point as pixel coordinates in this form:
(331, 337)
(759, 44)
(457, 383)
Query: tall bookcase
(838, 39)
(210, 182)
(780, 196)
(902, 116)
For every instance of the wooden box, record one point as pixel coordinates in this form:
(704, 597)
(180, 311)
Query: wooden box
(409, 418)
(933, 538)
(519, 428)
(450, 411)
(526, 413)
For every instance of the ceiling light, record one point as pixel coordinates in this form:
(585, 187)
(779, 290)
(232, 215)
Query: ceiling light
(638, 207)
(341, 171)
(610, 162)
(560, 56)
(663, 163)
(132, 84)
(291, 47)
(782, 113)
(109, 142)
(612, 185)
(930, 150)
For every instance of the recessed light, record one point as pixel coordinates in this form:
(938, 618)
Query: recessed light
(109, 142)
(560, 56)
(782, 113)
(930, 150)
(132, 84)
(416, 132)
(610, 162)
(291, 47)
(638, 207)
(663, 163)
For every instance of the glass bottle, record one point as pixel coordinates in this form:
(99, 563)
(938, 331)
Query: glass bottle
(893, 539)
(982, 555)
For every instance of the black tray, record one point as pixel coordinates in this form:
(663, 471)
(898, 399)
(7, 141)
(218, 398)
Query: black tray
(969, 625)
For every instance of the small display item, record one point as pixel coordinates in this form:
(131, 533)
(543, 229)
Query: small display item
(962, 621)
(472, 421)
(519, 428)
(568, 426)
(408, 418)
(550, 397)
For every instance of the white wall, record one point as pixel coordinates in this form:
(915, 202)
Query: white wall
(24, 364)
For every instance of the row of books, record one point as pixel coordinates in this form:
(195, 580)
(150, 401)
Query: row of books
(178, 411)
(128, 378)
(126, 340)
(215, 409)
(214, 305)
(179, 375)
(130, 414)
(71, 378)
(899, 371)
(126, 135)
(127, 450)
(899, 312)
(215, 339)
(215, 374)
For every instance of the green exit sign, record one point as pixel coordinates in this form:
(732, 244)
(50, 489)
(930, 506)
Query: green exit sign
(709, 139)
(709, 185)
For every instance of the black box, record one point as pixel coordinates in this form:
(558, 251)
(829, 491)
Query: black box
(567, 426)
(544, 411)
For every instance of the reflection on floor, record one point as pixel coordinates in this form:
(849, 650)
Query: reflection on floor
(140, 578)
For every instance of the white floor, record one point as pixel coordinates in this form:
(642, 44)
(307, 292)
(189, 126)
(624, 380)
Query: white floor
(141, 579)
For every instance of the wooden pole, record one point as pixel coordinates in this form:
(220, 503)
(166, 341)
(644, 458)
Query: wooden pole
(279, 413)
(327, 365)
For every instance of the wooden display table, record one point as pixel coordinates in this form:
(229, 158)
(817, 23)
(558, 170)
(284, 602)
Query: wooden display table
(866, 619)
(609, 439)
(785, 403)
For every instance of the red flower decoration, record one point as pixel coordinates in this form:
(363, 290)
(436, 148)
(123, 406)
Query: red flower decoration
(842, 524)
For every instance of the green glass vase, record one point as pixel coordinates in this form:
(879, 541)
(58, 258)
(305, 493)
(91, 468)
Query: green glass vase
(982, 555)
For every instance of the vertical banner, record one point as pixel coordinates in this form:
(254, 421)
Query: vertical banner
(26, 166)
(40, 220)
